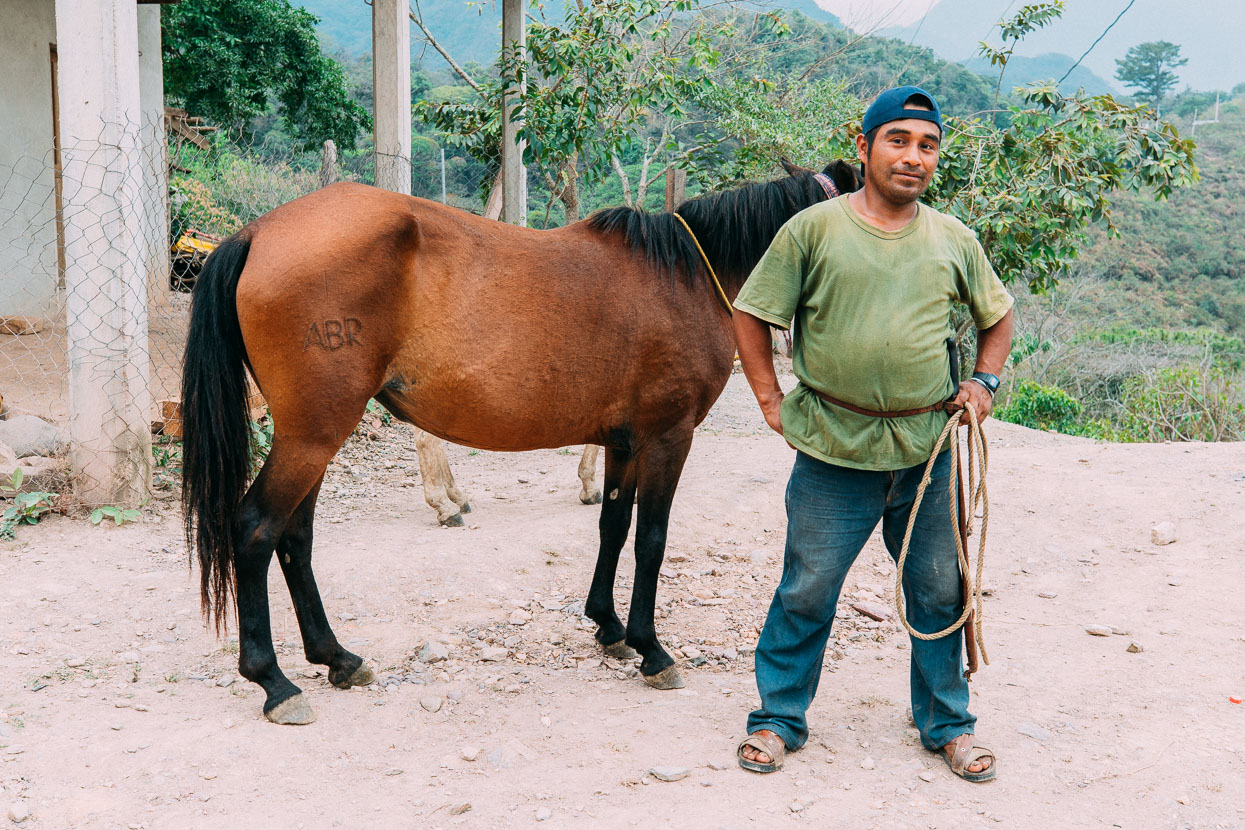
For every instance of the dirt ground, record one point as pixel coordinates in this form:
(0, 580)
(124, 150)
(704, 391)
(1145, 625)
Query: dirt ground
(119, 710)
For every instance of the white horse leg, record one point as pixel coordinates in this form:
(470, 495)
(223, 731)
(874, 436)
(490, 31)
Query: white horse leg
(440, 491)
(590, 494)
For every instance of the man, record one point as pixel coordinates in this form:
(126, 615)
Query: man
(869, 279)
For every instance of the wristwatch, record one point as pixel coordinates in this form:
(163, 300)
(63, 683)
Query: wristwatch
(989, 381)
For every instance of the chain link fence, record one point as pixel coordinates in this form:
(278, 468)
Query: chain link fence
(100, 245)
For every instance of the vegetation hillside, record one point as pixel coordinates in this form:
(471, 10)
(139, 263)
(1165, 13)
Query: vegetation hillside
(1182, 262)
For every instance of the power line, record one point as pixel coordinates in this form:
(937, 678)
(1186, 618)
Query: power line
(1095, 43)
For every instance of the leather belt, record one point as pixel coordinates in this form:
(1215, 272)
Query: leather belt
(944, 406)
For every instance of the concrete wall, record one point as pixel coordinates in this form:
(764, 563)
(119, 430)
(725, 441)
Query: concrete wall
(28, 267)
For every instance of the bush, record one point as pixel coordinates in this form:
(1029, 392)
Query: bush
(1036, 406)
(1184, 404)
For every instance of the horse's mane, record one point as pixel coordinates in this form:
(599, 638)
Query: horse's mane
(734, 227)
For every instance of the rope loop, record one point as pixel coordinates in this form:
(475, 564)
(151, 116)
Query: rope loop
(977, 496)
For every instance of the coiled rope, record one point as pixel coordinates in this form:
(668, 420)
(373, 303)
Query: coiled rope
(977, 495)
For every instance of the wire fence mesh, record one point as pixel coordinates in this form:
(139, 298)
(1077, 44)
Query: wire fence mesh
(101, 241)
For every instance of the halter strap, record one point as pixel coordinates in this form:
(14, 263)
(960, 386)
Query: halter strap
(708, 265)
(832, 190)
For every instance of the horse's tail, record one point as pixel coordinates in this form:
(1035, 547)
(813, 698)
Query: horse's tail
(216, 442)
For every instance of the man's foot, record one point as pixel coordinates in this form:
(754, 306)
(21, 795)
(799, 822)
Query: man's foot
(972, 763)
(762, 751)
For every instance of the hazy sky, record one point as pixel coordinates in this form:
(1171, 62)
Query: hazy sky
(864, 15)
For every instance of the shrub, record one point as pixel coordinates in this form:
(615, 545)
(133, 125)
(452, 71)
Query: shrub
(1036, 406)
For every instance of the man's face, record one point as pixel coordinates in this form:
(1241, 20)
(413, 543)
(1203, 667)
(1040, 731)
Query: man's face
(902, 161)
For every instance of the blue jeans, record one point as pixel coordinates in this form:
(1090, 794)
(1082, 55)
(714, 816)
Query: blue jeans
(831, 511)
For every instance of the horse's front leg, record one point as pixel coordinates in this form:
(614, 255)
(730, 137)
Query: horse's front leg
(658, 467)
(588, 493)
(440, 491)
(615, 523)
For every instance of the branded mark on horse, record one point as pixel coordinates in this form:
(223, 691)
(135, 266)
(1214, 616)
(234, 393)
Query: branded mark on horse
(606, 332)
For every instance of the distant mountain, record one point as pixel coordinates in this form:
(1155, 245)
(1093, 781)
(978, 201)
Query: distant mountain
(469, 32)
(1048, 67)
(1208, 32)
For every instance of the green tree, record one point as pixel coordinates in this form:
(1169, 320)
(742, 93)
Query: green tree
(230, 60)
(597, 83)
(1148, 68)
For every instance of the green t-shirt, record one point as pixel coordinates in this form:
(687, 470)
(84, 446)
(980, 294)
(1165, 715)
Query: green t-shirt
(871, 312)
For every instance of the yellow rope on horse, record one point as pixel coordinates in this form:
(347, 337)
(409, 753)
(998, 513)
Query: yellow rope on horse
(714, 276)
(976, 496)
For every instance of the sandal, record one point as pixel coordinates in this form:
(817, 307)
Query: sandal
(964, 756)
(767, 742)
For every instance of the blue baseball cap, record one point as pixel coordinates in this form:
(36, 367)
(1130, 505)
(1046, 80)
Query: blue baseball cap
(891, 105)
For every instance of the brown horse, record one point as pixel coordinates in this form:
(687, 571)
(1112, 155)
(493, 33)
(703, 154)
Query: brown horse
(607, 331)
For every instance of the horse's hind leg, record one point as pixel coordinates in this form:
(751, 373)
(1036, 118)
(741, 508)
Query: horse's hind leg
(659, 465)
(588, 493)
(440, 491)
(265, 511)
(615, 522)
(319, 643)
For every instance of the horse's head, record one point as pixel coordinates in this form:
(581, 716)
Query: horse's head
(846, 177)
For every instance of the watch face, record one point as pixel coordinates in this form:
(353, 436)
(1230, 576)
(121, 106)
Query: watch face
(990, 380)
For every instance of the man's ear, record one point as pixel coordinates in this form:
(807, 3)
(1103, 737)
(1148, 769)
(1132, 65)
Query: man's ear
(794, 169)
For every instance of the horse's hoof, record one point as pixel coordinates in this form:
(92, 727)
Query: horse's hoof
(666, 679)
(455, 520)
(619, 651)
(590, 498)
(363, 676)
(294, 711)
(465, 507)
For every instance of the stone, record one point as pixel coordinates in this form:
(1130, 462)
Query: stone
(469, 753)
(1135, 647)
(434, 652)
(927, 776)
(1098, 630)
(1047, 594)
(669, 773)
(75, 662)
(127, 657)
(873, 610)
(520, 617)
(459, 809)
(868, 763)
(430, 703)
(1033, 731)
(758, 557)
(690, 652)
(18, 812)
(1163, 533)
(544, 814)
(493, 654)
(1120, 632)
(796, 807)
(226, 680)
(29, 435)
(8, 459)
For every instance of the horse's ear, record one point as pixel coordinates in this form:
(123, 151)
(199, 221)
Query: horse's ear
(794, 169)
(844, 175)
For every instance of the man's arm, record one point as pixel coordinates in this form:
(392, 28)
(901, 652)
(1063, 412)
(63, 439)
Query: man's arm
(993, 346)
(756, 356)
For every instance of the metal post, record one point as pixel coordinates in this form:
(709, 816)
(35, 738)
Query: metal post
(514, 176)
(443, 199)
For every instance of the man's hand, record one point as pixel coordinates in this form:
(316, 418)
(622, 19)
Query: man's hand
(772, 410)
(973, 392)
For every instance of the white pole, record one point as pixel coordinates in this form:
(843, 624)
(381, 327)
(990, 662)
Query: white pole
(105, 279)
(443, 199)
(514, 177)
(391, 81)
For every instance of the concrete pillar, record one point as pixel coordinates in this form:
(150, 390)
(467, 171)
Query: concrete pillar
(391, 81)
(105, 279)
(155, 214)
(514, 175)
